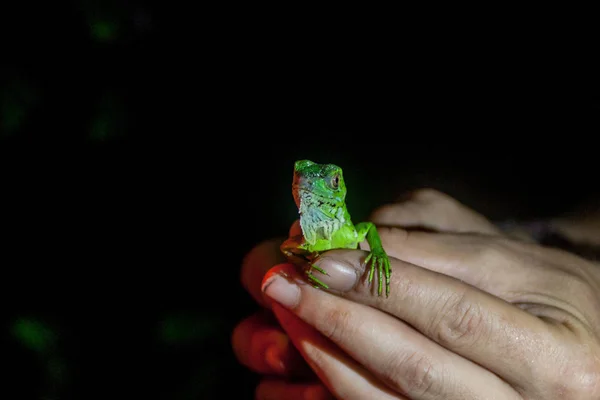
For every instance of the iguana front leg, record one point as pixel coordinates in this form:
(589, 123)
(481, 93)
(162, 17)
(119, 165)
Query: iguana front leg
(292, 249)
(377, 255)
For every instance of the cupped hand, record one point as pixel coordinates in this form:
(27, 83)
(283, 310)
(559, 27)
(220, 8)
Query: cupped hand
(259, 341)
(470, 315)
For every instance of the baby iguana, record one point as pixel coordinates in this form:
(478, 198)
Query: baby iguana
(319, 192)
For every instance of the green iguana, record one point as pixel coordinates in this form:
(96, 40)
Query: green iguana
(320, 192)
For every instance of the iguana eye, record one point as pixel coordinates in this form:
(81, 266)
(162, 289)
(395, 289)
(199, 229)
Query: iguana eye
(335, 181)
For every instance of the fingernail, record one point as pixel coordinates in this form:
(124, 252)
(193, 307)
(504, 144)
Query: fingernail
(340, 275)
(282, 290)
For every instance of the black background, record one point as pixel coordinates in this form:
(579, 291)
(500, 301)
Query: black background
(105, 239)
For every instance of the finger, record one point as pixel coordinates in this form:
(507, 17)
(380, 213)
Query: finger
(467, 321)
(430, 209)
(407, 361)
(342, 375)
(277, 389)
(261, 345)
(456, 255)
(259, 260)
(441, 252)
(256, 263)
(506, 268)
(295, 229)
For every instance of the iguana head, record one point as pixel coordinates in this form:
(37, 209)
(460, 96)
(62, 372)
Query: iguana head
(318, 185)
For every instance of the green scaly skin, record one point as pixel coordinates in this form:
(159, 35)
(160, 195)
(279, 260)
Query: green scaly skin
(320, 193)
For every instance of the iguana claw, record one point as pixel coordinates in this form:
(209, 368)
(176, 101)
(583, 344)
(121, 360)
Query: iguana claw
(380, 259)
(313, 278)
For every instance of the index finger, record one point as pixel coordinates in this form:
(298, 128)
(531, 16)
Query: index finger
(469, 322)
(509, 269)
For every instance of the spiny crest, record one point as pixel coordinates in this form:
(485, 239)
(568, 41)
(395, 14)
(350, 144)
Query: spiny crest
(310, 169)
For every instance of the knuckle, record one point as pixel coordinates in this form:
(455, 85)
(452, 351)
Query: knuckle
(384, 212)
(415, 375)
(338, 324)
(388, 232)
(585, 292)
(591, 378)
(392, 236)
(420, 211)
(490, 251)
(395, 214)
(580, 379)
(460, 322)
(428, 194)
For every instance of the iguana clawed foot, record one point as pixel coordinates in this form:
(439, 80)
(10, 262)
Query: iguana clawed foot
(316, 282)
(379, 259)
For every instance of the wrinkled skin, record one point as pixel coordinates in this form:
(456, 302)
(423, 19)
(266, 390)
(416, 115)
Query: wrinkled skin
(473, 314)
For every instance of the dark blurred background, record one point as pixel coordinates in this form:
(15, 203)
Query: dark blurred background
(146, 147)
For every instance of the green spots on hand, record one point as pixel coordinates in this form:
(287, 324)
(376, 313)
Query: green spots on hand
(34, 335)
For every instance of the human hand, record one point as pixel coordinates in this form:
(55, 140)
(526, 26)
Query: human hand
(259, 341)
(469, 316)
(262, 345)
